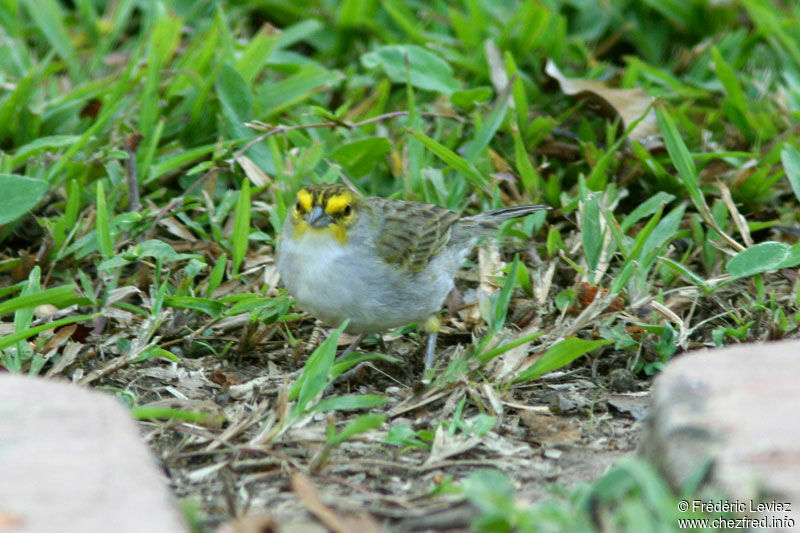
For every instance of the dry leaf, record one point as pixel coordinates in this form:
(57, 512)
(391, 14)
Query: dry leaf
(628, 104)
(252, 171)
(250, 523)
(61, 336)
(446, 445)
(176, 228)
(585, 294)
(68, 357)
(308, 495)
(550, 430)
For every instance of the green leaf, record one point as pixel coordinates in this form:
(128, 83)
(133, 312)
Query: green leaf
(489, 489)
(359, 157)
(20, 195)
(790, 158)
(762, 257)
(279, 96)
(490, 125)
(60, 296)
(451, 158)
(215, 279)
(204, 305)
(467, 99)
(359, 425)
(664, 231)
(622, 278)
(646, 208)
(33, 148)
(427, 70)
(102, 224)
(234, 94)
(314, 377)
(344, 364)
(728, 78)
(24, 315)
(494, 352)
(241, 226)
(257, 52)
(635, 253)
(685, 272)
(680, 155)
(49, 16)
(10, 340)
(156, 351)
(560, 355)
(503, 298)
(591, 229)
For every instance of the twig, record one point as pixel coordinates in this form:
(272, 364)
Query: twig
(343, 124)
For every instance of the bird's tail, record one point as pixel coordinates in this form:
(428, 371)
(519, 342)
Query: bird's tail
(514, 211)
(491, 220)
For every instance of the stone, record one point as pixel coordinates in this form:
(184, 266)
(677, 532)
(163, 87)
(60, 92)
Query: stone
(72, 460)
(737, 410)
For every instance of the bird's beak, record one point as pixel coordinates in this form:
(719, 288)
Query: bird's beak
(317, 218)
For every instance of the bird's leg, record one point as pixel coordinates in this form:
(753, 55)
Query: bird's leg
(432, 326)
(430, 351)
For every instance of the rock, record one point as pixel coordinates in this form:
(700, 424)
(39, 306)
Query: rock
(737, 409)
(621, 380)
(72, 460)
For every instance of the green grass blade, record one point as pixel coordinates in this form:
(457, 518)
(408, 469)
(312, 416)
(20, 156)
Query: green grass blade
(452, 159)
(241, 227)
(49, 16)
(560, 355)
(60, 296)
(680, 155)
(490, 125)
(790, 158)
(103, 224)
(10, 340)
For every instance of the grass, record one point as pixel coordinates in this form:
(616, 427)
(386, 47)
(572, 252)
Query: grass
(149, 152)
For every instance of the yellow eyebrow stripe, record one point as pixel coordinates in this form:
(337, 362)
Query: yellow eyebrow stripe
(337, 203)
(305, 199)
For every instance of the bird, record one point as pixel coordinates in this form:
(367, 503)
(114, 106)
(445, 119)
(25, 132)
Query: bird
(378, 262)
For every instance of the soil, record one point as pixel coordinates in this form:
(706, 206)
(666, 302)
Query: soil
(561, 430)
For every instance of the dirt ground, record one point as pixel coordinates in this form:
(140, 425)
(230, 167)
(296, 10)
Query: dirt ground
(561, 430)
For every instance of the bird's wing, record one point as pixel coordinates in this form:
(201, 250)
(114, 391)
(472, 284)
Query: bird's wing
(414, 233)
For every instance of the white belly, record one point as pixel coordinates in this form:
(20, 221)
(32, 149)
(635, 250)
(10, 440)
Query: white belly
(327, 281)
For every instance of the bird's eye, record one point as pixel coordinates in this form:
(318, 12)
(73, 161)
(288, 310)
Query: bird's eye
(347, 210)
(298, 207)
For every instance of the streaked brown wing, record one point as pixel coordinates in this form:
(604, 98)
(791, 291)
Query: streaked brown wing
(414, 233)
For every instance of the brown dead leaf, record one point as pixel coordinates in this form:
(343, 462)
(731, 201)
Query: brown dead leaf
(61, 336)
(68, 356)
(224, 379)
(308, 495)
(174, 226)
(628, 104)
(585, 295)
(446, 445)
(550, 430)
(257, 176)
(250, 523)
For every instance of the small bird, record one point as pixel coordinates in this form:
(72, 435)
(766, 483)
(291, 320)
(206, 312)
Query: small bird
(379, 262)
